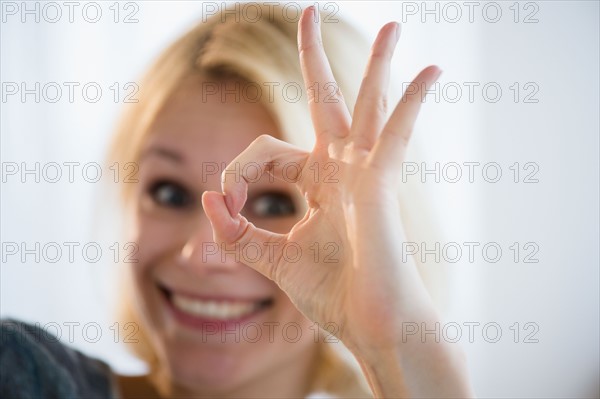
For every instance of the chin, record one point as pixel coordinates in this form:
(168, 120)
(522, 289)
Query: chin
(215, 371)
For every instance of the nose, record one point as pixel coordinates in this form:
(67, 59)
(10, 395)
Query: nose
(202, 253)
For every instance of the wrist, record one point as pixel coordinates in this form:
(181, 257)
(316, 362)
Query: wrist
(428, 369)
(384, 375)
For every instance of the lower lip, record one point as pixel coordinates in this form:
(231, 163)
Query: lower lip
(207, 324)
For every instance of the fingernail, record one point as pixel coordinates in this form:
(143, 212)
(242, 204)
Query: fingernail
(397, 31)
(315, 14)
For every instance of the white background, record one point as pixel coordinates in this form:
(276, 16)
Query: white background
(558, 54)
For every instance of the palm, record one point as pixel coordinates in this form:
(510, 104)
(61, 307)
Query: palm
(350, 271)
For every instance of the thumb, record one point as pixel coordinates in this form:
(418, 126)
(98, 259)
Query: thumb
(257, 248)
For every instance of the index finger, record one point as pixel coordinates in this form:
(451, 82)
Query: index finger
(265, 154)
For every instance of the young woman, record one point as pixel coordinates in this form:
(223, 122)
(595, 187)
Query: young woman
(252, 233)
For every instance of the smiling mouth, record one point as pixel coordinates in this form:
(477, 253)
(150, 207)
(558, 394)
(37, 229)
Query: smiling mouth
(219, 310)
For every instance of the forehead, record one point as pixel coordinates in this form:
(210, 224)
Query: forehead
(208, 121)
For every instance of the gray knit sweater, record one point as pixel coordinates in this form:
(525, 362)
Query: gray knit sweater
(34, 364)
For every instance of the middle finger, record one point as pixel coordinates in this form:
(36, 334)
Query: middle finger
(331, 118)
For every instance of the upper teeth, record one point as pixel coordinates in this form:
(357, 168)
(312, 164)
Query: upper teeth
(213, 309)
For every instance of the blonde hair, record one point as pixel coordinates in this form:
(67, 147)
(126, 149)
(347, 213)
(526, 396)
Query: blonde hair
(263, 52)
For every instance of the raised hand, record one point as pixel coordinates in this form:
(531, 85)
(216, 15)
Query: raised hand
(354, 276)
(365, 288)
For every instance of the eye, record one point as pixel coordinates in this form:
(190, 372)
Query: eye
(170, 194)
(272, 205)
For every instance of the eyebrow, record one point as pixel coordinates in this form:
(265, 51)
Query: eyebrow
(163, 152)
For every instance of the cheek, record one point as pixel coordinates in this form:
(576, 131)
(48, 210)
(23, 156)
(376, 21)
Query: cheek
(277, 225)
(156, 237)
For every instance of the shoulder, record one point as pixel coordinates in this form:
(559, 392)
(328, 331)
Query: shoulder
(36, 364)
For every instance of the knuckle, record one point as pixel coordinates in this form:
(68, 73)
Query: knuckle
(383, 55)
(263, 140)
(381, 104)
(376, 99)
(307, 46)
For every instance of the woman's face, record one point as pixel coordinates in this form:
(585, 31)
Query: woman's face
(216, 324)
